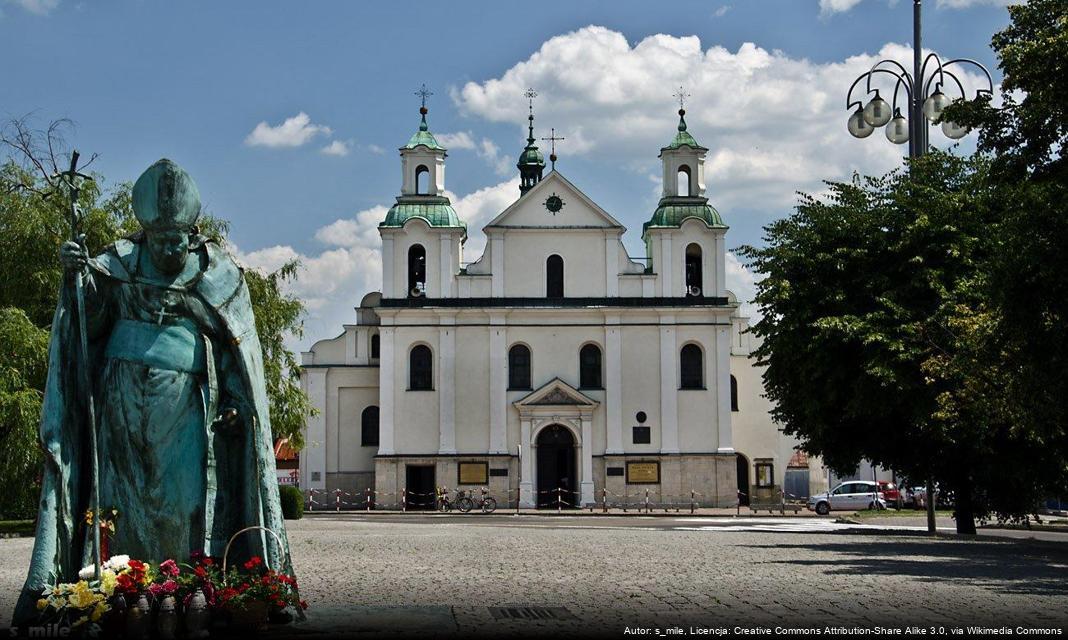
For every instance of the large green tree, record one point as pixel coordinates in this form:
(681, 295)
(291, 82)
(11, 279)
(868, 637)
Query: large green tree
(33, 225)
(1026, 138)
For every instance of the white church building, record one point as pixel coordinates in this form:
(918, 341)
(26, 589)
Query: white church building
(553, 367)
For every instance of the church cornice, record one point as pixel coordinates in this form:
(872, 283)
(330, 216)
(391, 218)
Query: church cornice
(551, 303)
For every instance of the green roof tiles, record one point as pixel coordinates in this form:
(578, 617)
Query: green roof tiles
(683, 137)
(435, 210)
(672, 212)
(424, 137)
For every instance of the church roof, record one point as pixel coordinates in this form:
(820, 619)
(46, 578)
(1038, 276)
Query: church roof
(424, 138)
(683, 137)
(437, 211)
(673, 211)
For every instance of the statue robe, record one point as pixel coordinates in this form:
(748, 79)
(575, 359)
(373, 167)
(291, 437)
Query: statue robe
(179, 483)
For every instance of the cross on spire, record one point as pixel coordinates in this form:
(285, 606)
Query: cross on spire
(423, 94)
(681, 96)
(552, 143)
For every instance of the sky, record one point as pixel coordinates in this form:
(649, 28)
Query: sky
(289, 114)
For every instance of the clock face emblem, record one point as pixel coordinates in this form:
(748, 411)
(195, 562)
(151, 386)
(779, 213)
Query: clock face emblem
(554, 204)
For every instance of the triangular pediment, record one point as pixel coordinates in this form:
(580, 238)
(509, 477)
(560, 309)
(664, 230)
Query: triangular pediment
(556, 393)
(532, 209)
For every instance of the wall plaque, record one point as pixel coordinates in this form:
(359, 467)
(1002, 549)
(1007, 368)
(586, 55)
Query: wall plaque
(472, 473)
(643, 473)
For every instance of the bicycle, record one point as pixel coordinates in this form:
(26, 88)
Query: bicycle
(486, 503)
(462, 501)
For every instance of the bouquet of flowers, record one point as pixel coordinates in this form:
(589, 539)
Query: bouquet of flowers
(86, 601)
(256, 584)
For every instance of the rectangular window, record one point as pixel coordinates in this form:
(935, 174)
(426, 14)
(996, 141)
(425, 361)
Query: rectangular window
(614, 471)
(765, 474)
(642, 435)
(499, 473)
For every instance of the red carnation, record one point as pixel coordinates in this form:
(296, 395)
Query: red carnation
(168, 568)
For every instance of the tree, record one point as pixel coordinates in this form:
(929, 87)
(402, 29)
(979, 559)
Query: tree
(33, 225)
(879, 338)
(1026, 139)
(23, 361)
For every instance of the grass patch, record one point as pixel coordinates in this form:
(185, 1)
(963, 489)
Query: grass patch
(904, 513)
(18, 527)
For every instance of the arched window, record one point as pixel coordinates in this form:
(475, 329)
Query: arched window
(416, 271)
(554, 277)
(375, 346)
(369, 427)
(422, 178)
(590, 367)
(734, 393)
(683, 185)
(519, 367)
(693, 374)
(694, 277)
(420, 369)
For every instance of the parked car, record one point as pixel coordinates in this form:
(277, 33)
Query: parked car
(891, 493)
(848, 496)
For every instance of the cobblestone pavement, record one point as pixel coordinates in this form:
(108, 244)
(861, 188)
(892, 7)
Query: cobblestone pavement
(445, 577)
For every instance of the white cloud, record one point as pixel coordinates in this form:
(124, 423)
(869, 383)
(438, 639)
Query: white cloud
(742, 282)
(375, 149)
(338, 148)
(484, 148)
(828, 7)
(964, 4)
(774, 124)
(293, 132)
(458, 140)
(721, 11)
(40, 7)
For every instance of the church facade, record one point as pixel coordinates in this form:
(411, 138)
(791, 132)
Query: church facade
(554, 368)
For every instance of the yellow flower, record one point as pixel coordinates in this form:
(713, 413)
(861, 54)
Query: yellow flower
(42, 604)
(107, 582)
(98, 611)
(59, 602)
(82, 597)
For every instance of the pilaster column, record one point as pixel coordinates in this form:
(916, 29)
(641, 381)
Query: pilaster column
(447, 386)
(723, 389)
(498, 380)
(313, 458)
(611, 266)
(526, 466)
(613, 393)
(387, 396)
(667, 266)
(720, 265)
(669, 388)
(445, 266)
(496, 243)
(587, 462)
(387, 266)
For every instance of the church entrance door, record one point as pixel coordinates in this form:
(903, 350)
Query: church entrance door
(556, 467)
(743, 479)
(419, 483)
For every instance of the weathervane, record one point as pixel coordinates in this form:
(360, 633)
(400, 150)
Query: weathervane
(552, 142)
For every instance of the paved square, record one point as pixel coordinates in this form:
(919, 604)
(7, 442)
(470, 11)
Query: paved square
(403, 575)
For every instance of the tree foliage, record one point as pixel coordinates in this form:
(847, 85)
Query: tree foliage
(23, 361)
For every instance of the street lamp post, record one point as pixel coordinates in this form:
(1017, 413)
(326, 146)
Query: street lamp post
(923, 106)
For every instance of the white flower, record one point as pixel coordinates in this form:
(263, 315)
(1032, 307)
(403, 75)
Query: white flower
(87, 573)
(117, 563)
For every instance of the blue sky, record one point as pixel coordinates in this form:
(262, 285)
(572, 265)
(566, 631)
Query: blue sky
(143, 79)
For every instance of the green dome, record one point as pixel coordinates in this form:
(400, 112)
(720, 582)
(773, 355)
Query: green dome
(683, 137)
(672, 212)
(436, 210)
(424, 137)
(531, 155)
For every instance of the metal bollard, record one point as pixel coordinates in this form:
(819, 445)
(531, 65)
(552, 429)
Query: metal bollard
(404, 499)
(647, 501)
(559, 501)
(692, 506)
(337, 500)
(311, 500)
(368, 499)
(604, 500)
